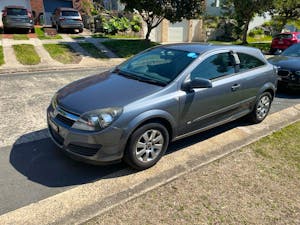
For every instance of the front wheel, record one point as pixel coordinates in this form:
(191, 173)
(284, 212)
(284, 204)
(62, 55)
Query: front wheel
(146, 146)
(261, 108)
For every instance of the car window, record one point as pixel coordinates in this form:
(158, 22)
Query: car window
(284, 36)
(16, 12)
(214, 66)
(293, 51)
(69, 13)
(249, 62)
(161, 64)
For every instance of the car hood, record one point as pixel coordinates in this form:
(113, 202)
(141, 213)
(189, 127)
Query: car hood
(102, 91)
(286, 62)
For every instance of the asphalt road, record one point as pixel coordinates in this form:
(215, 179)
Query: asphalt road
(31, 166)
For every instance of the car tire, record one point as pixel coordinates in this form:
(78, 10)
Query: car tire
(80, 30)
(146, 146)
(261, 108)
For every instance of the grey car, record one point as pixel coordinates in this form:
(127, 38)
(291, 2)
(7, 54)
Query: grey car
(67, 18)
(17, 17)
(160, 95)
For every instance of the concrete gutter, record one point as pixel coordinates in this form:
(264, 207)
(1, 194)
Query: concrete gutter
(89, 200)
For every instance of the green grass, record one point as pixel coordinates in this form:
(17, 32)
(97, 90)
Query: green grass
(20, 37)
(93, 50)
(282, 146)
(117, 36)
(63, 53)
(42, 36)
(26, 54)
(259, 39)
(1, 56)
(127, 48)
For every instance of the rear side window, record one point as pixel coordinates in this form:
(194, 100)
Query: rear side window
(249, 62)
(215, 66)
(69, 13)
(16, 12)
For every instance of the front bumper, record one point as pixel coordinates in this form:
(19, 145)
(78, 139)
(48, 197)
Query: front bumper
(71, 26)
(99, 148)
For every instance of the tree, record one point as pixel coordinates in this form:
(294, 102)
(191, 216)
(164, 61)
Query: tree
(244, 11)
(153, 12)
(285, 10)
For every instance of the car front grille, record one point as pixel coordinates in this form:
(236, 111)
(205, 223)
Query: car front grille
(65, 120)
(283, 73)
(85, 151)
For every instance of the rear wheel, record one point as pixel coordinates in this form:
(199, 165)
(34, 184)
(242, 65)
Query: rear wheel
(80, 30)
(58, 29)
(261, 108)
(146, 146)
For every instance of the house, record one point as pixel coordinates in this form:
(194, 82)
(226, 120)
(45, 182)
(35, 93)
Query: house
(38, 7)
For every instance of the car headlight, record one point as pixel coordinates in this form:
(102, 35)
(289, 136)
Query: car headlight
(98, 119)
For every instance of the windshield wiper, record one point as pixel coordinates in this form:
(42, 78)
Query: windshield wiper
(157, 82)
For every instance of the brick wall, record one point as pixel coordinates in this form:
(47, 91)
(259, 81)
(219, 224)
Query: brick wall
(37, 6)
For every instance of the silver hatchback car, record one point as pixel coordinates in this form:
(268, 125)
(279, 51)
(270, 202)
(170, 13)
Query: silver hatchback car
(160, 95)
(67, 18)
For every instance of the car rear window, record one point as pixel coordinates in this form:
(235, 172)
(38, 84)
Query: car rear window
(249, 62)
(69, 13)
(16, 12)
(284, 36)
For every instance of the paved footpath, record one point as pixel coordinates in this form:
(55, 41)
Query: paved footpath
(47, 63)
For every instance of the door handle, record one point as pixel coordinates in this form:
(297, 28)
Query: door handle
(235, 87)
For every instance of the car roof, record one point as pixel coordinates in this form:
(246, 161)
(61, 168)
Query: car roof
(205, 47)
(67, 9)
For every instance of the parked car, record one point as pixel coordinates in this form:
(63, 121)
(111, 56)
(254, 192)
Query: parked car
(17, 17)
(162, 94)
(67, 18)
(288, 63)
(282, 41)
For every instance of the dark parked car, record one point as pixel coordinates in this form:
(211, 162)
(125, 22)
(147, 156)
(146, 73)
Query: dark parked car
(17, 17)
(162, 94)
(284, 40)
(67, 18)
(288, 64)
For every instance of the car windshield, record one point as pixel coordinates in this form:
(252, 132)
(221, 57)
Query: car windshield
(69, 13)
(16, 12)
(158, 65)
(293, 51)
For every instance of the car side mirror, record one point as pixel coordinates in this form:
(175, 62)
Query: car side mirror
(197, 83)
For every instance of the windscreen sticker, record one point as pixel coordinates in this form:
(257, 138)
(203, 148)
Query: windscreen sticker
(192, 55)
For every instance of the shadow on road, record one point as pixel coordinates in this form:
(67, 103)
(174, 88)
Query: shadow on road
(42, 162)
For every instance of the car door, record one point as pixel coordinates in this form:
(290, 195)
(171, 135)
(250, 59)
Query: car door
(204, 107)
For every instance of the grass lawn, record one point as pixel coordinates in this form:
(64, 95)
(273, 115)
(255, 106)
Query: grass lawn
(41, 34)
(127, 48)
(117, 36)
(63, 53)
(91, 49)
(1, 56)
(259, 184)
(20, 37)
(26, 54)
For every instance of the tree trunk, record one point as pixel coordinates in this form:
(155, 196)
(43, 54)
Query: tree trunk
(245, 32)
(149, 29)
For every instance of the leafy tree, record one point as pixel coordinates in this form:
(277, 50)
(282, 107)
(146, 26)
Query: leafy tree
(153, 12)
(243, 12)
(284, 11)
